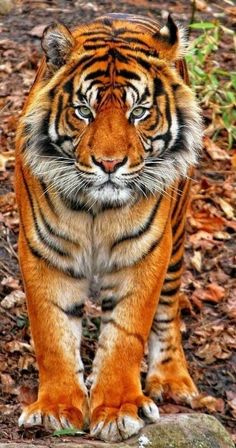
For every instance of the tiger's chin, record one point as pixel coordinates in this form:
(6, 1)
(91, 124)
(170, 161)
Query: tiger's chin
(110, 194)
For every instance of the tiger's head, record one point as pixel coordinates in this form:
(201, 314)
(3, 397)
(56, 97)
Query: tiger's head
(109, 117)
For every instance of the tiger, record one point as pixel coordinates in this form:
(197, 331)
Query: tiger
(105, 148)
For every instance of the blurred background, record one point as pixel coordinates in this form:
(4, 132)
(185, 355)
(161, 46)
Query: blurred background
(209, 289)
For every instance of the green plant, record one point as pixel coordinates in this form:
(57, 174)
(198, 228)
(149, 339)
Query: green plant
(214, 85)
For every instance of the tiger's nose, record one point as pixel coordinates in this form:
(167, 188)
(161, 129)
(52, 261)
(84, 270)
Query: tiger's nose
(109, 165)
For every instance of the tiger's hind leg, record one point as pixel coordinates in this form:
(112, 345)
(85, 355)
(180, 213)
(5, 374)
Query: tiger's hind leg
(168, 372)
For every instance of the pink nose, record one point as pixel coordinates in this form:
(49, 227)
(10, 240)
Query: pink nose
(109, 165)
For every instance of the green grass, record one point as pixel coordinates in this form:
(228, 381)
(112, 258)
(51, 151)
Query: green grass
(215, 85)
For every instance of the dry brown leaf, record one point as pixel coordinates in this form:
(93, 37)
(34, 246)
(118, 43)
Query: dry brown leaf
(214, 151)
(17, 346)
(199, 236)
(196, 260)
(4, 159)
(207, 222)
(201, 5)
(8, 384)
(231, 399)
(214, 293)
(7, 409)
(27, 395)
(7, 202)
(26, 361)
(15, 298)
(11, 283)
(227, 208)
(231, 10)
(230, 306)
(37, 31)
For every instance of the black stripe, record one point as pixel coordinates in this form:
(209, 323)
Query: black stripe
(68, 88)
(94, 60)
(170, 292)
(95, 75)
(146, 52)
(158, 87)
(166, 302)
(128, 74)
(33, 250)
(83, 60)
(133, 40)
(39, 233)
(115, 54)
(166, 360)
(94, 47)
(59, 107)
(143, 63)
(36, 253)
(76, 310)
(176, 266)
(52, 231)
(75, 205)
(142, 230)
(128, 333)
(108, 303)
(179, 243)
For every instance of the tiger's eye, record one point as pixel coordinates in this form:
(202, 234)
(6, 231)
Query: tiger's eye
(83, 111)
(138, 112)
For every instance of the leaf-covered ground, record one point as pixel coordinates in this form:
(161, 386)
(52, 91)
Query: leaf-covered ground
(209, 288)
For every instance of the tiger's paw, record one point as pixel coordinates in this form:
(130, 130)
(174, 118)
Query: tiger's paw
(115, 424)
(52, 416)
(179, 387)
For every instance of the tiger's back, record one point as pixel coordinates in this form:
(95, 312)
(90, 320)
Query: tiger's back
(107, 137)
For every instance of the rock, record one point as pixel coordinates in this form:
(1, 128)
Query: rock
(172, 431)
(6, 6)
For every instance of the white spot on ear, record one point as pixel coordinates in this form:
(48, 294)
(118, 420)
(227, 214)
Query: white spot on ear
(164, 31)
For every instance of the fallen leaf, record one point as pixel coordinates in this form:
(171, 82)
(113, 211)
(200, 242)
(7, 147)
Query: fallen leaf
(231, 399)
(199, 236)
(15, 298)
(201, 5)
(214, 151)
(214, 293)
(11, 283)
(17, 346)
(26, 361)
(27, 395)
(8, 384)
(196, 260)
(227, 208)
(230, 306)
(37, 31)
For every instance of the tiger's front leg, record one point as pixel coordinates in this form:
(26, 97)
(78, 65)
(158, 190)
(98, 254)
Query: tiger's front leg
(118, 406)
(55, 308)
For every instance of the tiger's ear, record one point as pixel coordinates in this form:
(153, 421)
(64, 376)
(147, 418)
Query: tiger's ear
(57, 44)
(171, 41)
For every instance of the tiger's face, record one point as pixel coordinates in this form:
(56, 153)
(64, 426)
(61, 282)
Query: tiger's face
(112, 118)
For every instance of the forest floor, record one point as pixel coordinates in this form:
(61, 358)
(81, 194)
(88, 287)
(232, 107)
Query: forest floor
(209, 289)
